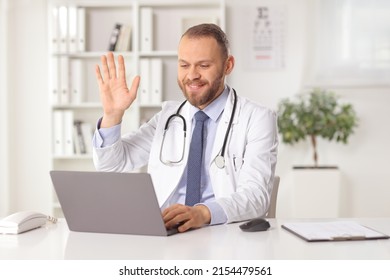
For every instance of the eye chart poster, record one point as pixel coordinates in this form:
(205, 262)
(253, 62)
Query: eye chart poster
(266, 36)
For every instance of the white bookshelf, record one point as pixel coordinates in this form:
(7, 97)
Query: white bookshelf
(72, 62)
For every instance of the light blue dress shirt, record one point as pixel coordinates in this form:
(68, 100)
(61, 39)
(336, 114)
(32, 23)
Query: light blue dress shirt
(108, 136)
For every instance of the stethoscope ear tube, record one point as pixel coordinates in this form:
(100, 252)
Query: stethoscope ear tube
(177, 115)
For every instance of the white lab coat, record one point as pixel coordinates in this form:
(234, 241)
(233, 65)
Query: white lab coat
(242, 188)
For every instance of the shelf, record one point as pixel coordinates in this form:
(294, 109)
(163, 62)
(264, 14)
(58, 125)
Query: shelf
(93, 54)
(158, 54)
(91, 105)
(72, 157)
(174, 4)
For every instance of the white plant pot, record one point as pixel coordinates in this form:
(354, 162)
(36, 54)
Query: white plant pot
(316, 192)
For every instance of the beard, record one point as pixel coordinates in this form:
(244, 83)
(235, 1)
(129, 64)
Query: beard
(202, 99)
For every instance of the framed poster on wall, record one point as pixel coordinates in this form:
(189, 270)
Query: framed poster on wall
(265, 21)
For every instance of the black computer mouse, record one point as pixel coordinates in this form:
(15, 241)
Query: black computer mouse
(257, 224)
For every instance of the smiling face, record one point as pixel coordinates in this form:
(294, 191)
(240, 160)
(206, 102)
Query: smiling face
(202, 69)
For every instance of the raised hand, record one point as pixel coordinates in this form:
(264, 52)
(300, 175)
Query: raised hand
(115, 96)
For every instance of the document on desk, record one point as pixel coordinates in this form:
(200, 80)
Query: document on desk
(333, 231)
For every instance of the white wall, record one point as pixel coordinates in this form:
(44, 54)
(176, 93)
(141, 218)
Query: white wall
(365, 180)
(29, 146)
(4, 195)
(363, 163)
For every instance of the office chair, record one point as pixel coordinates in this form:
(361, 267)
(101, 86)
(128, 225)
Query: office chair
(274, 195)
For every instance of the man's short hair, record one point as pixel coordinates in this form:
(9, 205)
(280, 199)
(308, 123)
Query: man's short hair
(210, 30)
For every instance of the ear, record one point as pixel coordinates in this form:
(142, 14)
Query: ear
(229, 65)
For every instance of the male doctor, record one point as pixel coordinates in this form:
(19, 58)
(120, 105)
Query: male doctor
(229, 178)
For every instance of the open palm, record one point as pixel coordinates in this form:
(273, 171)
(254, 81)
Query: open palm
(115, 96)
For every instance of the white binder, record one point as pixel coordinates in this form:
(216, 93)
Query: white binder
(77, 80)
(55, 36)
(72, 28)
(144, 92)
(151, 72)
(146, 29)
(64, 80)
(58, 147)
(81, 29)
(155, 80)
(67, 127)
(55, 82)
(63, 29)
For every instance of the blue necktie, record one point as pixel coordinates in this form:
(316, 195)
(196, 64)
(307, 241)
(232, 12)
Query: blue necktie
(194, 165)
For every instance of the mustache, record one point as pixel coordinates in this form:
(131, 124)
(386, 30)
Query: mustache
(195, 82)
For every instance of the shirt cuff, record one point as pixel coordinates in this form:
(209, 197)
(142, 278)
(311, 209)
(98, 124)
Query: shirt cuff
(105, 137)
(218, 215)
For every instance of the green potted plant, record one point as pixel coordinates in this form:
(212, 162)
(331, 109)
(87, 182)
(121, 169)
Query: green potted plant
(313, 115)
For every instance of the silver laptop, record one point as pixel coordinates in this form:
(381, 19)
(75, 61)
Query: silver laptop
(107, 202)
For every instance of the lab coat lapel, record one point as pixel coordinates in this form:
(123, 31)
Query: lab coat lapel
(223, 125)
(172, 174)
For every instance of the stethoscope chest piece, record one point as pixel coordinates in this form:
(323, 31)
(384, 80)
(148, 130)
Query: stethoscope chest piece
(220, 161)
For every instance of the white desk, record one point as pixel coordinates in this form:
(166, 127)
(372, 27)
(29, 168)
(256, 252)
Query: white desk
(216, 242)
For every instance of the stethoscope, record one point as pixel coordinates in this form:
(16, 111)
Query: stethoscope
(220, 158)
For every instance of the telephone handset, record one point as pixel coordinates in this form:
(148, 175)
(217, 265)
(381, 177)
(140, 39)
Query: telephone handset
(23, 221)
